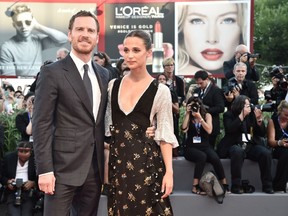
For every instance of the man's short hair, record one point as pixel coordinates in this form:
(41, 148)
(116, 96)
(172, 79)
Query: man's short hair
(201, 74)
(20, 9)
(25, 144)
(240, 64)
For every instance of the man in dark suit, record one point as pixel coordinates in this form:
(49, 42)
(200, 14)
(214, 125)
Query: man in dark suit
(68, 124)
(241, 86)
(213, 100)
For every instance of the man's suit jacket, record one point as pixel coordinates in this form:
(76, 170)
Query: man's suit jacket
(214, 101)
(66, 136)
(10, 165)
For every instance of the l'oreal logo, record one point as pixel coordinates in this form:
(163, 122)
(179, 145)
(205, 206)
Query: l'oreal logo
(138, 12)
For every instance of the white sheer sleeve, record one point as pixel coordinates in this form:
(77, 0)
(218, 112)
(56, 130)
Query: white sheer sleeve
(108, 114)
(161, 116)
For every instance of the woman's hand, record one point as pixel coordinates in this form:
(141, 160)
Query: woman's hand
(167, 185)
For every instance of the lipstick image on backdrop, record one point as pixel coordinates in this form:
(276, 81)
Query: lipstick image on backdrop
(158, 52)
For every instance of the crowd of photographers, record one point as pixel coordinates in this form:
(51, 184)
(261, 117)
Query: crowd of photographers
(246, 135)
(18, 181)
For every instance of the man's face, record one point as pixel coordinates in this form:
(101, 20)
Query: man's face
(169, 68)
(83, 36)
(23, 24)
(240, 73)
(202, 84)
(24, 154)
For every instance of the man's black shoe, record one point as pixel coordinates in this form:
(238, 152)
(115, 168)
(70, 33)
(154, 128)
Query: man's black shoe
(237, 189)
(268, 189)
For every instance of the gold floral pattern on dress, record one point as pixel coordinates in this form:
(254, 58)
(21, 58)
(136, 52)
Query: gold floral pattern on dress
(145, 151)
(167, 211)
(125, 207)
(148, 211)
(141, 171)
(147, 180)
(137, 187)
(122, 145)
(136, 156)
(143, 202)
(155, 154)
(123, 175)
(134, 127)
(117, 182)
(127, 135)
(131, 197)
(110, 212)
(129, 165)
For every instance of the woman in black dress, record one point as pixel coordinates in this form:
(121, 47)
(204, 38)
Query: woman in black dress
(140, 167)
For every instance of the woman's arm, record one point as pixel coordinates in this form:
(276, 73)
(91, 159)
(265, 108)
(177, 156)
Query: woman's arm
(167, 182)
(271, 135)
(207, 123)
(185, 123)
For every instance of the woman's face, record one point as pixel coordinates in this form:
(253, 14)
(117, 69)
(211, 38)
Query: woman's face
(162, 79)
(211, 34)
(284, 114)
(99, 60)
(135, 53)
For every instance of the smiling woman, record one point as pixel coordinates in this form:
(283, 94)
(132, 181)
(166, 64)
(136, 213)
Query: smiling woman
(208, 35)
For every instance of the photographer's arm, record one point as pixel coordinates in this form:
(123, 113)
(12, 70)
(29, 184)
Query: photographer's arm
(29, 185)
(207, 123)
(185, 123)
(186, 120)
(9, 184)
(254, 74)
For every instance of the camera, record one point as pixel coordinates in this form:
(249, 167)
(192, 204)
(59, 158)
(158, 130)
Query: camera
(18, 183)
(194, 103)
(195, 107)
(277, 72)
(255, 55)
(232, 84)
(268, 107)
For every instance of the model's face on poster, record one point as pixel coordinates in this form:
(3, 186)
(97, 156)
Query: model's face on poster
(211, 33)
(23, 24)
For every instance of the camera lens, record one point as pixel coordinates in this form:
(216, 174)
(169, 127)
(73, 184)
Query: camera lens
(194, 107)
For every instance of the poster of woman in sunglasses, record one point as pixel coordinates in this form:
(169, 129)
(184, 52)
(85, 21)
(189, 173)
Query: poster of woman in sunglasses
(31, 33)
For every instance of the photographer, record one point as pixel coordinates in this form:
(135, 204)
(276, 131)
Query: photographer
(197, 124)
(244, 138)
(23, 120)
(238, 85)
(213, 100)
(242, 55)
(19, 178)
(279, 90)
